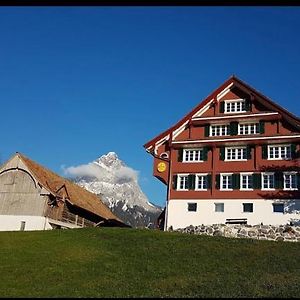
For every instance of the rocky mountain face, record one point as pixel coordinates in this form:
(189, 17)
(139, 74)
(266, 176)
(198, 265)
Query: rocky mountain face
(117, 186)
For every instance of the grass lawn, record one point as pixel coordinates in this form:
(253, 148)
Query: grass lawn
(122, 262)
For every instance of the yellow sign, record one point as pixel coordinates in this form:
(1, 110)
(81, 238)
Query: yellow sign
(161, 167)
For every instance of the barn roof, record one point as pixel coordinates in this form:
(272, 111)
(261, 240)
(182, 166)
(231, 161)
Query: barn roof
(234, 82)
(77, 195)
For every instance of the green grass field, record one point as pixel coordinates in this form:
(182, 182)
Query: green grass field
(119, 262)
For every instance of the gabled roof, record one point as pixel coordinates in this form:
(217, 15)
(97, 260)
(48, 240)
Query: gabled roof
(76, 195)
(232, 81)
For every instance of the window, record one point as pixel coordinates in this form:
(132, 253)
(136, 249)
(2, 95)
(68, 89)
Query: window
(246, 181)
(290, 181)
(226, 181)
(182, 182)
(247, 207)
(192, 155)
(278, 207)
(219, 207)
(279, 152)
(249, 128)
(219, 130)
(235, 153)
(192, 206)
(201, 181)
(234, 106)
(267, 181)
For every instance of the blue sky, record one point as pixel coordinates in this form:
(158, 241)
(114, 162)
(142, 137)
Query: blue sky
(78, 82)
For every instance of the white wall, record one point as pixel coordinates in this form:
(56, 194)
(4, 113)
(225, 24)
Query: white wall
(10, 223)
(178, 215)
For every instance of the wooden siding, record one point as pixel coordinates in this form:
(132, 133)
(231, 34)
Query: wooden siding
(19, 194)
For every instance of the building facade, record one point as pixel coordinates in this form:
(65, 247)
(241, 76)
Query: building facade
(233, 159)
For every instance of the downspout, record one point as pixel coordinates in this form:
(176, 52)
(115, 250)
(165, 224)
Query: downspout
(168, 188)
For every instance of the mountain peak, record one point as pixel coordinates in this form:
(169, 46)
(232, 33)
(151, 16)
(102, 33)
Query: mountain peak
(110, 160)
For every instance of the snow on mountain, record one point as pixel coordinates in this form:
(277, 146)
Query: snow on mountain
(117, 186)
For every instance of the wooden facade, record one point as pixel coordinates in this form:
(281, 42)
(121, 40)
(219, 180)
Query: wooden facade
(33, 198)
(237, 135)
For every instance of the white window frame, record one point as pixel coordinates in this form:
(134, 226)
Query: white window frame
(278, 212)
(242, 128)
(221, 182)
(192, 211)
(216, 203)
(193, 156)
(284, 182)
(262, 181)
(197, 181)
(241, 181)
(236, 150)
(280, 156)
(235, 103)
(219, 128)
(248, 212)
(179, 176)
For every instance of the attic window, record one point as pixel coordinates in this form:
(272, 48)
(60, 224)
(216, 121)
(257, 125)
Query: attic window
(235, 106)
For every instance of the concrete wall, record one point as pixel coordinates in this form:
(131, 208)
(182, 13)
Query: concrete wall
(11, 223)
(178, 215)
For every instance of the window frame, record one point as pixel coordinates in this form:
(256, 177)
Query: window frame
(249, 125)
(277, 204)
(284, 183)
(179, 176)
(197, 181)
(220, 130)
(228, 104)
(221, 182)
(262, 181)
(248, 212)
(201, 153)
(236, 148)
(192, 203)
(219, 203)
(241, 181)
(280, 146)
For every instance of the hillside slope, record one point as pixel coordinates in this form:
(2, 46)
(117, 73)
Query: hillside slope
(119, 262)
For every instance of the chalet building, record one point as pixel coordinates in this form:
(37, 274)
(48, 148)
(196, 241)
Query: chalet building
(233, 159)
(34, 198)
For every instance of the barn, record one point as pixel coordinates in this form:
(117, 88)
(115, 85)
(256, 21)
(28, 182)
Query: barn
(35, 198)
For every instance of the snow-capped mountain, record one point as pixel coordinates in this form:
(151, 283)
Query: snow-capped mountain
(117, 186)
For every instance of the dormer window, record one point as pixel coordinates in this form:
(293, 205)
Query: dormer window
(235, 106)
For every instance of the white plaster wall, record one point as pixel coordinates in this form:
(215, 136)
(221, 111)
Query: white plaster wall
(11, 223)
(178, 215)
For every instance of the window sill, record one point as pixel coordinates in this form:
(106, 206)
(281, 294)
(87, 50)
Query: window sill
(224, 190)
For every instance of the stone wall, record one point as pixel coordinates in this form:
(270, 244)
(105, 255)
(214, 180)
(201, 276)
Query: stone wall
(259, 232)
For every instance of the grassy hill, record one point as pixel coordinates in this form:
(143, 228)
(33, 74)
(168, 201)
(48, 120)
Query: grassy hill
(119, 262)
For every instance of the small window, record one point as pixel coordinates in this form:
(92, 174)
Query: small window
(290, 181)
(182, 182)
(192, 206)
(234, 106)
(192, 155)
(219, 207)
(279, 152)
(226, 182)
(246, 181)
(22, 228)
(235, 153)
(201, 182)
(247, 207)
(219, 130)
(249, 128)
(278, 207)
(268, 181)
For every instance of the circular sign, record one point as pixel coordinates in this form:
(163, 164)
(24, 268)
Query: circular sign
(161, 167)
